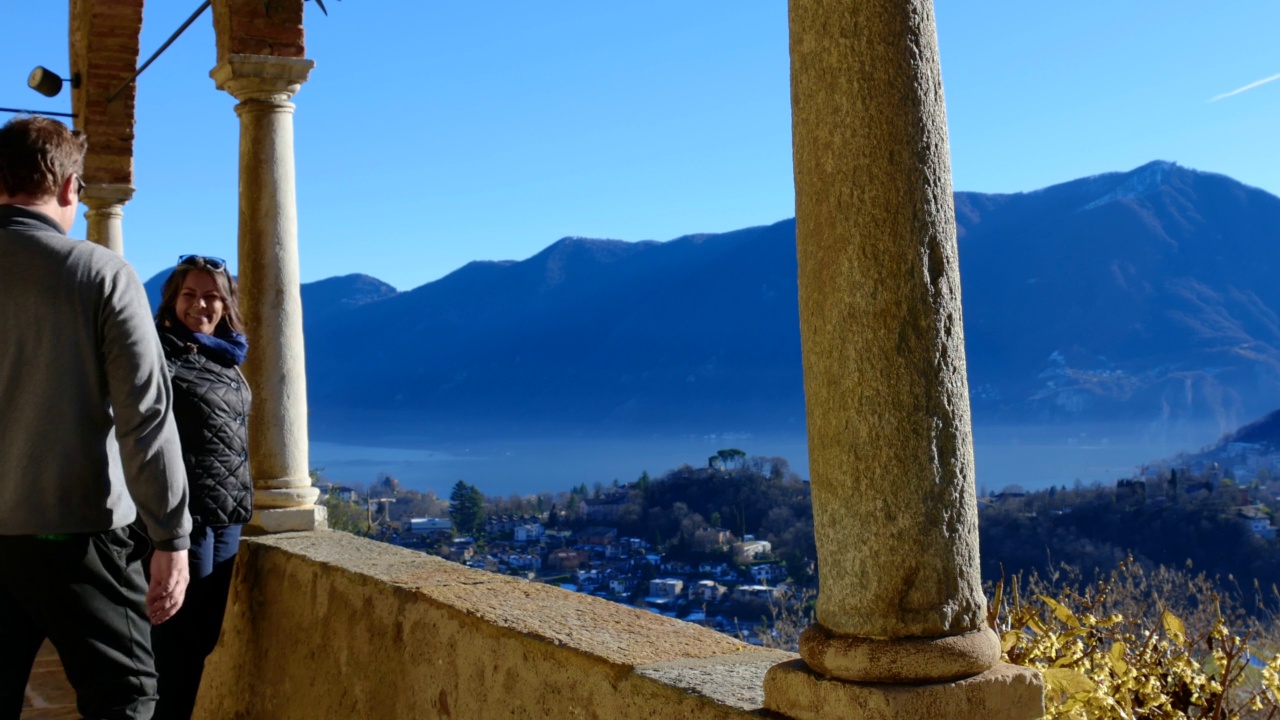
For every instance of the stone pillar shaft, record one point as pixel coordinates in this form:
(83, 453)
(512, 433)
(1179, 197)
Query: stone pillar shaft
(104, 218)
(891, 454)
(900, 629)
(271, 288)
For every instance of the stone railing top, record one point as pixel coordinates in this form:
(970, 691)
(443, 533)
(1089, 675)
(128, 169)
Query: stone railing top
(689, 659)
(611, 631)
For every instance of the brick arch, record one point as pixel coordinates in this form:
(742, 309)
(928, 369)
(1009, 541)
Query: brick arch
(259, 27)
(104, 53)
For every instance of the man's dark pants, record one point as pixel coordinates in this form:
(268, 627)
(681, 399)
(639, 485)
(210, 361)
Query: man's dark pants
(87, 595)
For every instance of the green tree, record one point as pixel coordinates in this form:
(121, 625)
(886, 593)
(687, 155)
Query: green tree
(466, 508)
(346, 516)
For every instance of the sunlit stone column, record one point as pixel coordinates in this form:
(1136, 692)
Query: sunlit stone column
(104, 218)
(271, 290)
(890, 442)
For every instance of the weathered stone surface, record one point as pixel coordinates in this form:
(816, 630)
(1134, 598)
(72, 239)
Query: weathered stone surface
(1005, 692)
(891, 454)
(732, 680)
(285, 497)
(327, 625)
(293, 519)
(902, 660)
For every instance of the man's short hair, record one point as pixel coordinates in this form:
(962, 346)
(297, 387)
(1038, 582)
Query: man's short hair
(37, 154)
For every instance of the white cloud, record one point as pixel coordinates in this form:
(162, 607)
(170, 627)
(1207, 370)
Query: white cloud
(1250, 86)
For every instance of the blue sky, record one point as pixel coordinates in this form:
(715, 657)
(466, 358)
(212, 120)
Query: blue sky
(432, 134)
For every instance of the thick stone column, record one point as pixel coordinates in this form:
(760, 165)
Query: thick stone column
(104, 218)
(271, 289)
(890, 442)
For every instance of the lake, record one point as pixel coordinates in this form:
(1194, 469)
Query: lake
(1033, 457)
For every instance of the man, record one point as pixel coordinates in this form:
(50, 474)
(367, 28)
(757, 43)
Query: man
(87, 443)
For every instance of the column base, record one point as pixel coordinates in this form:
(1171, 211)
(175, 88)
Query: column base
(1005, 692)
(277, 520)
(269, 495)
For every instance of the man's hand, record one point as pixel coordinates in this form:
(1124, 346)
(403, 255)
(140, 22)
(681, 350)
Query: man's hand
(169, 578)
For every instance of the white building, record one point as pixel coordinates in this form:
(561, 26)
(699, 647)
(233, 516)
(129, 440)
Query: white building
(427, 525)
(524, 562)
(769, 572)
(706, 591)
(756, 592)
(532, 532)
(1262, 527)
(666, 588)
(750, 550)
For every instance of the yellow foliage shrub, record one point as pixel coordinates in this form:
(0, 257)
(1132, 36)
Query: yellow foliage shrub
(1116, 648)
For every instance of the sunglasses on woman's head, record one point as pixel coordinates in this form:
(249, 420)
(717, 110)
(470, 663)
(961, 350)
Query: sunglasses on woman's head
(213, 263)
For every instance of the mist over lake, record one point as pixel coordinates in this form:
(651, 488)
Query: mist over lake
(1034, 457)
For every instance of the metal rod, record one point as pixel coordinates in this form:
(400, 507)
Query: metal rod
(37, 112)
(199, 11)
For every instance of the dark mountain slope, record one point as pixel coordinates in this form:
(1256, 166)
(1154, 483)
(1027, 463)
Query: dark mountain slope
(1147, 296)
(615, 332)
(1144, 294)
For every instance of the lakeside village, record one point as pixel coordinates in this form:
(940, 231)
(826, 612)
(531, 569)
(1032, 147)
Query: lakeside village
(738, 594)
(666, 545)
(645, 543)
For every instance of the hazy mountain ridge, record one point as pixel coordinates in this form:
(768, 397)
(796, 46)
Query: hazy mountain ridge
(1146, 295)
(619, 332)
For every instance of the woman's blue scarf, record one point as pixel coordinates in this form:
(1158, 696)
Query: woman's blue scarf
(228, 348)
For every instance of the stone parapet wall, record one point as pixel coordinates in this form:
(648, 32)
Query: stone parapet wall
(328, 625)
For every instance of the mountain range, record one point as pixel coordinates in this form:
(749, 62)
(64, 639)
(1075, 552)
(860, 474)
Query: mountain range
(1146, 296)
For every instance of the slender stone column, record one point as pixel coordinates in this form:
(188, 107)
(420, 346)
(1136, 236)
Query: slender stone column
(271, 289)
(890, 442)
(105, 214)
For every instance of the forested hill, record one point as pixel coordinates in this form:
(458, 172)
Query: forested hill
(1180, 524)
(1175, 521)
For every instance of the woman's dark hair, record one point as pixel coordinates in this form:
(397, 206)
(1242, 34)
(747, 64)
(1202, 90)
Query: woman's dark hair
(226, 287)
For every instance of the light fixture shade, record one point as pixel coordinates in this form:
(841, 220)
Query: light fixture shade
(44, 81)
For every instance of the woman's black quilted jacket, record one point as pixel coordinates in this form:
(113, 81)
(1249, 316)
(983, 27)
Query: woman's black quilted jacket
(211, 408)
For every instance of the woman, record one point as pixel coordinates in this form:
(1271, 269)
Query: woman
(199, 325)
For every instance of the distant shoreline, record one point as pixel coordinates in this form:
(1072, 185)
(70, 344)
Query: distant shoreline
(1034, 457)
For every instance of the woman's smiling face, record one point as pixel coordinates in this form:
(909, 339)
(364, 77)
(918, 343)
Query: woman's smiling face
(200, 305)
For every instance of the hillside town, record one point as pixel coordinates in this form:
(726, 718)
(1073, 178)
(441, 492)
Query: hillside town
(729, 545)
(683, 546)
(732, 583)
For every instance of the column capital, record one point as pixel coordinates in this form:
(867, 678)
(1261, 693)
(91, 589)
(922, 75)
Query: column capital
(105, 215)
(261, 77)
(102, 196)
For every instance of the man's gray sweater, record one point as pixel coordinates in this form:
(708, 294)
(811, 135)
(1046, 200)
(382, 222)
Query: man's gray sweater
(87, 438)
